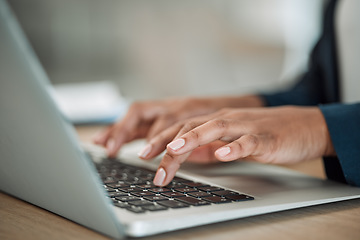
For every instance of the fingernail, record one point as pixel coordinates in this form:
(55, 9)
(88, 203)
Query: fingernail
(145, 151)
(177, 144)
(160, 177)
(110, 145)
(222, 152)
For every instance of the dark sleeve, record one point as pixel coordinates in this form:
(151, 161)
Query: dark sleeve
(306, 92)
(343, 121)
(320, 86)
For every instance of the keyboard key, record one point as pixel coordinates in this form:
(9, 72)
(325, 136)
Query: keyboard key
(117, 194)
(159, 190)
(200, 194)
(210, 189)
(185, 190)
(143, 194)
(108, 189)
(136, 209)
(101, 168)
(135, 181)
(117, 185)
(145, 171)
(179, 179)
(155, 198)
(173, 204)
(173, 184)
(193, 201)
(109, 180)
(147, 176)
(173, 194)
(122, 204)
(239, 197)
(195, 184)
(154, 207)
(146, 186)
(140, 203)
(216, 199)
(224, 193)
(131, 189)
(127, 198)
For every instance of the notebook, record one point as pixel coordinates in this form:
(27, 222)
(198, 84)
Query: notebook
(43, 163)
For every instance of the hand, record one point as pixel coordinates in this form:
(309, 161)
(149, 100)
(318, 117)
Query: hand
(267, 135)
(147, 119)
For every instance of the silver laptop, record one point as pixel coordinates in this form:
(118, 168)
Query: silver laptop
(43, 163)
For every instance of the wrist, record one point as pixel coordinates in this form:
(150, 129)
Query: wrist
(329, 147)
(252, 101)
(247, 101)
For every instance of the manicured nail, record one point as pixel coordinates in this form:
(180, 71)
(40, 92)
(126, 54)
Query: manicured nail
(177, 144)
(222, 152)
(145, 151)
(160, 177)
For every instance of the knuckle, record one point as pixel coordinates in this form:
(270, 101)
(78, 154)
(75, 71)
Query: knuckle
(179, 125)
(250, 128)
(169, 117)
(194, 134)
(156, 139)
(169, 157)
(190, 125)
(237, 145)
(171, 160)
(220, 123)
(251, 140)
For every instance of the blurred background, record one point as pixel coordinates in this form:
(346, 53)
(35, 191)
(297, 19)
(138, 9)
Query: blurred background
(161, 48)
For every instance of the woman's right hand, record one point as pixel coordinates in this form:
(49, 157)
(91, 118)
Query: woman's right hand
(148, 118)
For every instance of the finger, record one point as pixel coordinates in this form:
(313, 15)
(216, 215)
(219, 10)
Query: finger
(141, 131)
(160, 124)
(247, 146)
(171, 163)
(168, 167)
(159, 142)
(167, 120)
(217, 129)
(206, 153)
(101, 137)
(124, 130)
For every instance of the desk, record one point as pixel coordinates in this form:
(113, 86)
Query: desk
(20, 220)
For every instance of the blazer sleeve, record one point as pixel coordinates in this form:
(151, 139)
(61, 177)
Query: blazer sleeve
(343, 122)
(319, 86)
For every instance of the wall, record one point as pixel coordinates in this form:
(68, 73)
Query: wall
(161, 48)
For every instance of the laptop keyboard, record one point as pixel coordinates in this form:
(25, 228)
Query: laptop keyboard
(130, 187)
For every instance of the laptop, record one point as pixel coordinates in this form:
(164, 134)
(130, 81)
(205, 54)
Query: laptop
(43, 163)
